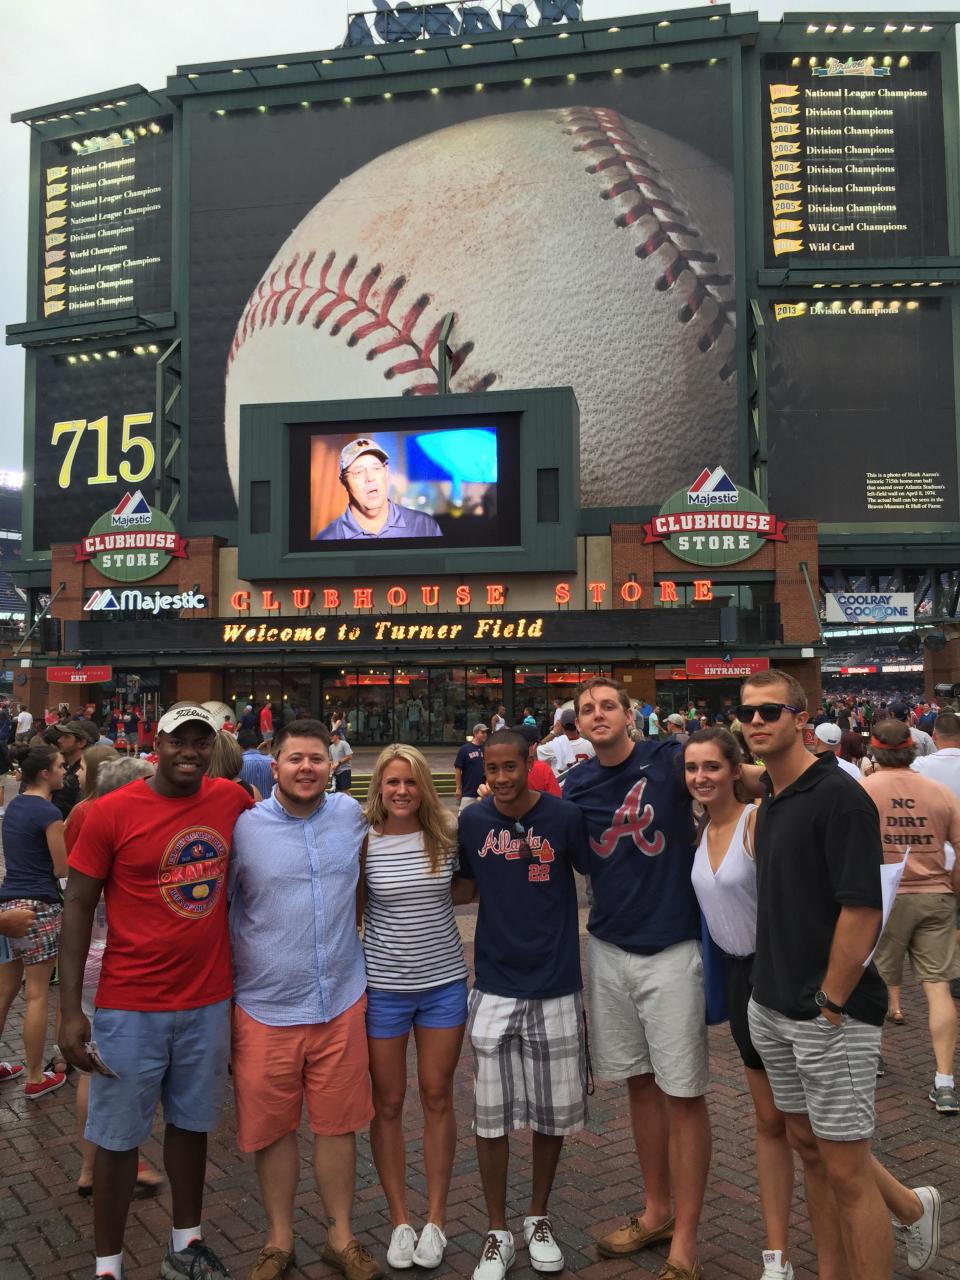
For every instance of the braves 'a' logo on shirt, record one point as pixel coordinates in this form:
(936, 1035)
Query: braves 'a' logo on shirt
(192, 871)
(632, 820)
(513, 847)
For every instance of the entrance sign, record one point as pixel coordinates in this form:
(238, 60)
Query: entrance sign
(719, 669)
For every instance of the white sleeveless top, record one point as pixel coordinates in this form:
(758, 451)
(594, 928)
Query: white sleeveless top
(728, 899)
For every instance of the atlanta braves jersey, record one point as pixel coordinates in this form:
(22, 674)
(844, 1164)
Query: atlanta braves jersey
(641, 848)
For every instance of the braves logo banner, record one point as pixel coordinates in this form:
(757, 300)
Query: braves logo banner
(634, 819)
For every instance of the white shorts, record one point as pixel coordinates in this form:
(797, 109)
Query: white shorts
(648, 1015)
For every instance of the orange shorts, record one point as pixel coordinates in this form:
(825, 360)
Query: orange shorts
(277, 1069)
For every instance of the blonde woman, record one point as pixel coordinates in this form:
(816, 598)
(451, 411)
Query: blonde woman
(416, 977)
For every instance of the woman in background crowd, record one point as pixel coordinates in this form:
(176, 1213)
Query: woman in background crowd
(35, 858)
(227, 762)
(853, 749)
(416, 977)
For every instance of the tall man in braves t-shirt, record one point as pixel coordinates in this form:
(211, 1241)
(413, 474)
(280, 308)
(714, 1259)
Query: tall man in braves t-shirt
(525, 1019)
(158, 850)
(647, 1017)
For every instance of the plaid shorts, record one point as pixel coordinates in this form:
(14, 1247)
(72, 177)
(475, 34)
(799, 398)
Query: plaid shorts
(42, 941)
(530, 1064)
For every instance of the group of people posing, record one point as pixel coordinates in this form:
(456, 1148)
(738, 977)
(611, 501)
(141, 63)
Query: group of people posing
(302, 939)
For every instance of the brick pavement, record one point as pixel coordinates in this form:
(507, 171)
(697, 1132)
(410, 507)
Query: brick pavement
(46, 1230)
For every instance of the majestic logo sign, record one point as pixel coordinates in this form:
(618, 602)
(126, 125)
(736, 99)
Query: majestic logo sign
(105, 600)
(714, 522)
(713, 489)
(132, 542)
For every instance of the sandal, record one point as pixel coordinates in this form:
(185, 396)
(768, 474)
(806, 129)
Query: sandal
(58, 1062)
(896, 1017)
(145, 1188)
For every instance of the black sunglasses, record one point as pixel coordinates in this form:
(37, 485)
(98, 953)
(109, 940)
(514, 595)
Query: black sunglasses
(768, 711)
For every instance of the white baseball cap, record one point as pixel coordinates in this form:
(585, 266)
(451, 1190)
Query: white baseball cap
(830, 734)
(177, 716)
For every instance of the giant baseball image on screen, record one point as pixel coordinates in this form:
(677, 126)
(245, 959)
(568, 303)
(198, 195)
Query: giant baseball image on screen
(579, 234)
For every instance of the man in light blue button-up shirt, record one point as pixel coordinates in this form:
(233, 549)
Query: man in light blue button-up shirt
(299, 983)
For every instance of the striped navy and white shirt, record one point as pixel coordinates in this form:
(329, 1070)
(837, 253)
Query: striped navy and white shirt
(410, 937)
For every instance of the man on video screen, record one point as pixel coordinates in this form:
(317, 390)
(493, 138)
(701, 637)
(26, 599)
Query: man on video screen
(365, 474)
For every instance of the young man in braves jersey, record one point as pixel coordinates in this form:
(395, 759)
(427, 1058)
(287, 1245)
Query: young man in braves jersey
(158, 849)
(647, 1020)
(518, 850)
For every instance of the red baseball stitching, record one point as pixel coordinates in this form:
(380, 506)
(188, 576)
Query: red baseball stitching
(632, 172)
(289, 296)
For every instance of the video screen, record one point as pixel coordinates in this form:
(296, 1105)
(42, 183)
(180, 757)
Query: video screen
(430, 483)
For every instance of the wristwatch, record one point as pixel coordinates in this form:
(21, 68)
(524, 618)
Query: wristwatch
(823, 1001)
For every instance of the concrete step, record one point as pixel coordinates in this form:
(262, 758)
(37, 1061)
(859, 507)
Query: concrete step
(445, 783)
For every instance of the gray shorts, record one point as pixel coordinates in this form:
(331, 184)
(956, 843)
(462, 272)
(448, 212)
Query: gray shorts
(648, 1015)
(530, 1062)
(816, 1069)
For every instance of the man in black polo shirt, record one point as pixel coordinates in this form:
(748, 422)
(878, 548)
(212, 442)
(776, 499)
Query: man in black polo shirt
(816, 1012)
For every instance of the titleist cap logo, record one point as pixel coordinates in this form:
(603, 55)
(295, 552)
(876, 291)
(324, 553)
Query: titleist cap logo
(172, 720)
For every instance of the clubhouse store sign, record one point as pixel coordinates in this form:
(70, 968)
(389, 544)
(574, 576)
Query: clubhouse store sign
(271, 600)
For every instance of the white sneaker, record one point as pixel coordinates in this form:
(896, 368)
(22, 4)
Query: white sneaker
(774, 1267)
(403, 1242)
(430, 1246)
(545, 1253)
(497, 1258)
(922, 1238)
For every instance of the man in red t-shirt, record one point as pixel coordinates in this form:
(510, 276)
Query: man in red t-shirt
(266, 722)
(158, 850)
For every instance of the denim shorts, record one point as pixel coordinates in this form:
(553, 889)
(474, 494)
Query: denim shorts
(393, 1013)
(178, 1058)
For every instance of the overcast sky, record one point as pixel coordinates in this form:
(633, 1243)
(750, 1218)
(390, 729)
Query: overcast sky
(53, 50)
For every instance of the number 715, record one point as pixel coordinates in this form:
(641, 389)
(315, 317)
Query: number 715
(128, 441)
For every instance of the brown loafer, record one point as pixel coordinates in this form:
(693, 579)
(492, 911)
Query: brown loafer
(632, 1237)
(674, 1271)
(272, 1263)
(354, 1262)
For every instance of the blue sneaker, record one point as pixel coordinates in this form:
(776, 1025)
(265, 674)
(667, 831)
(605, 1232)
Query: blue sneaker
(196, 1262)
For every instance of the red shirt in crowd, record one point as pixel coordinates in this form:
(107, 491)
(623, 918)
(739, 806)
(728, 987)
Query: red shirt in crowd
(542, 778)
(163, 861)
(266, 720)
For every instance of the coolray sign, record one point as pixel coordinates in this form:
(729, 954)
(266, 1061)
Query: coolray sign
(870, 606)
(105, 600)
(132, 542)
(714, 522)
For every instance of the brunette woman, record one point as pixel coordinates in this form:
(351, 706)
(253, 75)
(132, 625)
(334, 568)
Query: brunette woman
(35, 860)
